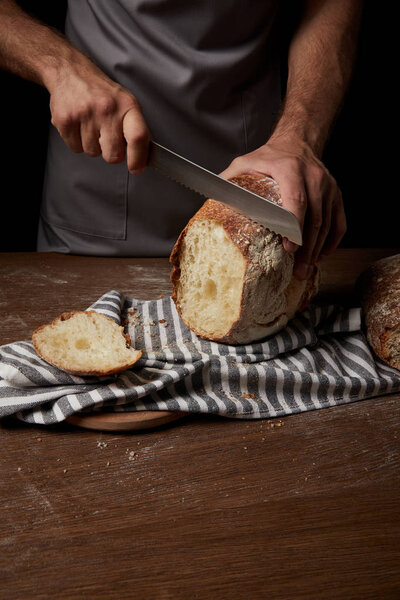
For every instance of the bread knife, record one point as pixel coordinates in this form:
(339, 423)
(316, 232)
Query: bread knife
(208, 184)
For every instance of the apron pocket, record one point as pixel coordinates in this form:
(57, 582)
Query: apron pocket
(82, 194)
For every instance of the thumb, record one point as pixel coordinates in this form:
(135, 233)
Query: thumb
(235, 168)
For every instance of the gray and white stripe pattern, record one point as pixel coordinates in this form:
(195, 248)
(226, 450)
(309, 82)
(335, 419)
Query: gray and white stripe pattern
(320, 359)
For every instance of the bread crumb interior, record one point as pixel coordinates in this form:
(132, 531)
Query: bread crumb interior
(212, 272)
(84, 342)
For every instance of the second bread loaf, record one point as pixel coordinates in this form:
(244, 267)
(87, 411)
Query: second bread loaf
(379, 289)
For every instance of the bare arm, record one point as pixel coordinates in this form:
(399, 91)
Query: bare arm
(321, 57)
(92, 113)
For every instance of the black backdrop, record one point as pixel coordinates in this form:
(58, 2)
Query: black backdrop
(355, 154)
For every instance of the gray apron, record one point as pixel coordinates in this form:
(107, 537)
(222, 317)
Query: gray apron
(206, 74)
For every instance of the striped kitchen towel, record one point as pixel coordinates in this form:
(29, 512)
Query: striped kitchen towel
(320, 359)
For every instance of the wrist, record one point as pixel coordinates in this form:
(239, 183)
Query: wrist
(56, 66)
(300, 133)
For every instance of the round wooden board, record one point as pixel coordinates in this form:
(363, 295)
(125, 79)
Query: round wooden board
(146, 419)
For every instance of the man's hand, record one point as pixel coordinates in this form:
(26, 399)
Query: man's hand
(307, 190)
(92, 113)
(95, 115)
(320, 59)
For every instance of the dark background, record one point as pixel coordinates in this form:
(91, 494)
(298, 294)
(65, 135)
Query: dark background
(355, 154)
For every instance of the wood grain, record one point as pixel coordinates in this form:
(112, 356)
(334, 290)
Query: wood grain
(108, 421)
(303, 508)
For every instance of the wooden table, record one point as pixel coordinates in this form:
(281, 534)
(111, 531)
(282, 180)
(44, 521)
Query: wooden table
(306, 507)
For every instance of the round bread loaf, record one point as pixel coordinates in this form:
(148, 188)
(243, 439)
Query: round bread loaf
(379, 290)
(232, 278)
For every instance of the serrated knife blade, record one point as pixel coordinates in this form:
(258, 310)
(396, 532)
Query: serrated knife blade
(208, 184)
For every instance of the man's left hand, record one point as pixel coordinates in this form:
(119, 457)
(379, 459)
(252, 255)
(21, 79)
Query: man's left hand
(307, 189)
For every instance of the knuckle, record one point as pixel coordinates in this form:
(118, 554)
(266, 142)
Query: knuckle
(67, 119)
(62, 120)
(76, 113)
(317, 172)
(294, 164)
(133, 101)
(333, 184)
(301, 200)
(82, 112)
(105, 105)
(139, 136)
(127, 101)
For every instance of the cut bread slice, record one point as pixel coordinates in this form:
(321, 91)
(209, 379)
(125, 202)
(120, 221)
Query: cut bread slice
(232, 279)
(85, 343)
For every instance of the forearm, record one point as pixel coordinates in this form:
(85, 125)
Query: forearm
(92, 113)
(31, 49)
(320, 62)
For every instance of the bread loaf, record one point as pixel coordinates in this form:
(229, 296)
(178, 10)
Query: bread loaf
(232, 279)
(85, 343)
(379, 290)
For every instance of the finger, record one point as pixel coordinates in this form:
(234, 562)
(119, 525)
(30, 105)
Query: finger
(112, 141)
(338, 227)
(329, 227)
(289, 246)
(137, 138)
(241, 165)
(90, 138)
(323, 232)
(293, 194)
(290, 183)
(72, 137)
(233, 170)
(294, 199)
(304, 262)
(109, 123)
(67, 126)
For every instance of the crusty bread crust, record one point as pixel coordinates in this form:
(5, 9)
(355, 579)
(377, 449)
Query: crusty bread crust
(379, 292)
(267, 264)
(238, 227)
(79, 372)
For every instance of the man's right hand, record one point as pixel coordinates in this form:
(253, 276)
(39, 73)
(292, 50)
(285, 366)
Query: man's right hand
(95, 115)
(92, 113)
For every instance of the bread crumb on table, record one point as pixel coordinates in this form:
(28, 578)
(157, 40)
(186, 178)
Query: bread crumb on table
(131, 454)
(248, 396)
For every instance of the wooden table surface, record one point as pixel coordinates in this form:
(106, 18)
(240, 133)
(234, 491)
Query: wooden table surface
(305, 507)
